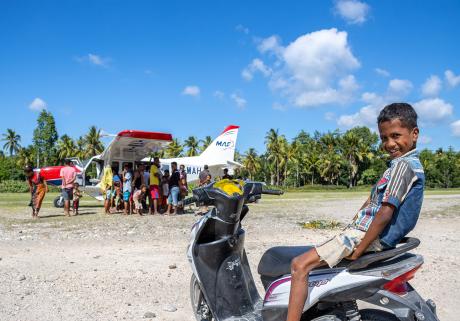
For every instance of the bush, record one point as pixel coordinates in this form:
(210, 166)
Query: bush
(12, 186)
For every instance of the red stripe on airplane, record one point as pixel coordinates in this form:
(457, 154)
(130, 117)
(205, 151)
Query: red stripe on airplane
(230, 127)
(145, 135)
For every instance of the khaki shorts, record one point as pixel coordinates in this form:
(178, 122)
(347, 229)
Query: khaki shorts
(340, 246)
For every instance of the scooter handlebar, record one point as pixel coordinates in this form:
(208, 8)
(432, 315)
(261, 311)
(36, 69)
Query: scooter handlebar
(272, 192)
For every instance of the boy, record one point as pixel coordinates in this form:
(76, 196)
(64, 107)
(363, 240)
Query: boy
(127, 188)
(389, 214)
(77, 194)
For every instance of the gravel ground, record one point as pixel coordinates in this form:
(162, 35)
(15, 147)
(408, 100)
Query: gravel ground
(95, 267)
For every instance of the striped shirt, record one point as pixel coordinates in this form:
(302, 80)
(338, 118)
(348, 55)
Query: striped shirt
(392, 188)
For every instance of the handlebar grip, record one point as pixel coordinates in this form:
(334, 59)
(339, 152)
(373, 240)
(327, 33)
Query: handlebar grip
(190, 200)
(272, 192)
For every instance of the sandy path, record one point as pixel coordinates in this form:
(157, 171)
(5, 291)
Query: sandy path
(93, 267)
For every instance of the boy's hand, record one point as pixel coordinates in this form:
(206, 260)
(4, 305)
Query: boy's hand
(354, 256)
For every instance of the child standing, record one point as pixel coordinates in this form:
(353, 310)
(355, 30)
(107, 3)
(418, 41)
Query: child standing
(389, 214)
(164, 189)
(138, 197)
(77, 194)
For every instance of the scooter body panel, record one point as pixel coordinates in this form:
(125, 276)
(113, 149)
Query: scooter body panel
(223, 271)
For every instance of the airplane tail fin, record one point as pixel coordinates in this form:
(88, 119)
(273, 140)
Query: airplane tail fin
(222, 149)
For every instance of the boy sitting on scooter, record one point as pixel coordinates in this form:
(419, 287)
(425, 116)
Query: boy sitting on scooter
(388, 215)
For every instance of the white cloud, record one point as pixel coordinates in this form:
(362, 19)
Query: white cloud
(425, 140)
(219, 94)
(352, 11)
(241, 28)
(382, 72)
(399, 88)
(239, 101)
(37, 104)
(432, 86)
(366, 116)
(432, 110)
(451, 79)
(191, 91)
(95, 60)
(256, 65)
(312, 70)
(271, 44)
(455, 127)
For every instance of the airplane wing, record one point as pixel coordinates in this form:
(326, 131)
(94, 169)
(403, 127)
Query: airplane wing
(135, 145)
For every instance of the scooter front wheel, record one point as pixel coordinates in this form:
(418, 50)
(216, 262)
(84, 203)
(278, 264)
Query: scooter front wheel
(199, 306)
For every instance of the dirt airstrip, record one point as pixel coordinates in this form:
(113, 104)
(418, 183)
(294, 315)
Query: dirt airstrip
(94, 267)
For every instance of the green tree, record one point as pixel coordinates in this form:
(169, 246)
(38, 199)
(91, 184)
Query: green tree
(26, 156)
(174, 149)
(330, 165)
(45, 137)
(193, 146)
(66, 147)
(274, 154)
(12, 141)
(80, 147)
(355, 151)
(93, 143)
(251, 162)
(205, 143)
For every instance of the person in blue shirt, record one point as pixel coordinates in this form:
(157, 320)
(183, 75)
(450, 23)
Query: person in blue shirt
(127, 177)
(389, 214)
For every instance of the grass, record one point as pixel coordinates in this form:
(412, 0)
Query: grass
(21, 200)
(320, 224)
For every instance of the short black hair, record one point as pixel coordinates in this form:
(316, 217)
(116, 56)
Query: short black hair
(67, 161)
(402, 111)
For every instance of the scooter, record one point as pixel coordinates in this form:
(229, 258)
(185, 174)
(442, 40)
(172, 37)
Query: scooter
(222, 287)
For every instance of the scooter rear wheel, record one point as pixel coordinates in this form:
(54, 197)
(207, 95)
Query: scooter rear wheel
(199, 306)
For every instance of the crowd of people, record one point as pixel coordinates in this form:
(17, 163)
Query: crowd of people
(142, 190)
(147, 190)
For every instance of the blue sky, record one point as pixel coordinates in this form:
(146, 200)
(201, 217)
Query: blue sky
(192, 68)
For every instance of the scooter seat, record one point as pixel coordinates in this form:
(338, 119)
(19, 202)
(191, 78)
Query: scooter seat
(276, 261)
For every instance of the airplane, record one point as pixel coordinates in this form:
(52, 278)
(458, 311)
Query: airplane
(132, 147)
(218, 155)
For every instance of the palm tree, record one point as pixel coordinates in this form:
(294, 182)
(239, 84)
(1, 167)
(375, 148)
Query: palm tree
(80, 147)
(206, 142)
(12, 141)
(312, 163)
(330, 166)
(193, 146)
(272, 141)
(251, 162)
(25, 156)
(355, 152)
(66, 147)
(93, 144)
(174, 149)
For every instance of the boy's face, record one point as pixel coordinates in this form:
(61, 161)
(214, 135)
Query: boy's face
(397, 139)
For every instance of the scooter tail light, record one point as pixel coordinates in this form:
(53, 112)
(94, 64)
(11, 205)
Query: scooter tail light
(399, 284)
